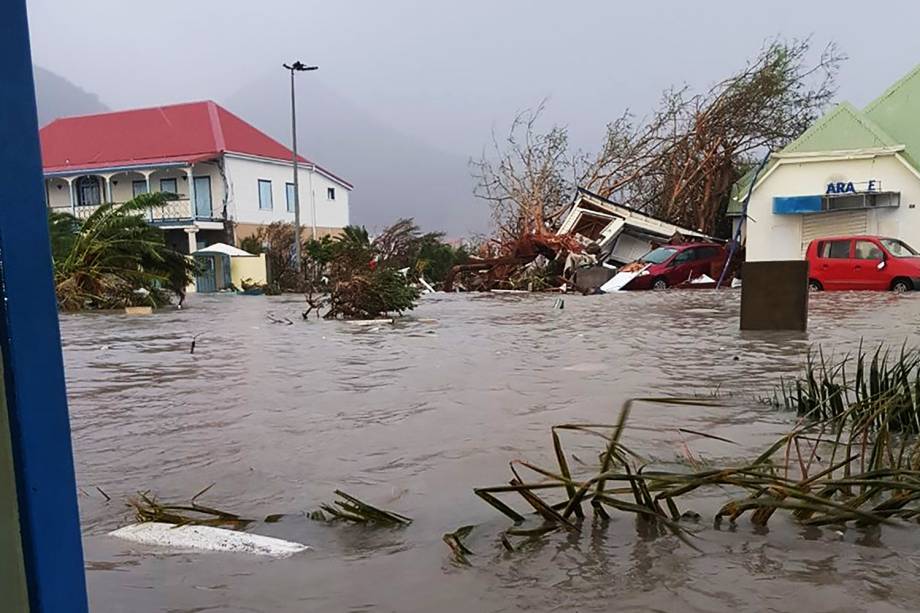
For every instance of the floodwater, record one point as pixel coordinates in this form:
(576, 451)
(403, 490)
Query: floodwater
(412, 417)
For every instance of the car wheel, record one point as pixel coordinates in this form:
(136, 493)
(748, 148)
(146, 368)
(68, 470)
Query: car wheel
(901, 285)
(814, 286)
(659, 284)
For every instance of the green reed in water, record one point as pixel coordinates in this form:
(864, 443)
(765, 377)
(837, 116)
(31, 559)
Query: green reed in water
(856, 464)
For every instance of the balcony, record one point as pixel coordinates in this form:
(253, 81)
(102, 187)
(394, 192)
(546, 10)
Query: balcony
(174, 212)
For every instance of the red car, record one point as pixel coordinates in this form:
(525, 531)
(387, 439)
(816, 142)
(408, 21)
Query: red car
(862, 262)
(671, 265)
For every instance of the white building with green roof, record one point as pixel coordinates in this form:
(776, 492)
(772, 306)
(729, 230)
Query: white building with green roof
(852, 172)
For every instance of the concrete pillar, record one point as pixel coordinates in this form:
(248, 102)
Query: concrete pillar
(192, 238)
(146, 174)
(73, 199)
(191, 191)
(107, 196)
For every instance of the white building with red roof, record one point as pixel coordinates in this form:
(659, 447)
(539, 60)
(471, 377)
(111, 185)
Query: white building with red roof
(230, 177)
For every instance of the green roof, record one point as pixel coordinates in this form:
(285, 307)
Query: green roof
(894, 113)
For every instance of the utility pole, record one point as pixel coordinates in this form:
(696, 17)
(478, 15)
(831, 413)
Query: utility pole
(296, 67)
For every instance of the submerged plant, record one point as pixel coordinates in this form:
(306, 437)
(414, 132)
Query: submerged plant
(856, 466)
(856, 387)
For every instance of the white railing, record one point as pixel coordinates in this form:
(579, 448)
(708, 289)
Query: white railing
(174, 210)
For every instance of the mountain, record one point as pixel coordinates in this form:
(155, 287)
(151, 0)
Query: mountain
(394, 174)
(58, 97)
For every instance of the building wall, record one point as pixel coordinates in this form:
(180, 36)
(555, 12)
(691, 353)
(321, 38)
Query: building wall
(248, 267)
(122, 184)
(243, 230)
(779, 237)
(243, 176)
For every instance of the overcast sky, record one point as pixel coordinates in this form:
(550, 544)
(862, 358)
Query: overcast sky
(447, 72)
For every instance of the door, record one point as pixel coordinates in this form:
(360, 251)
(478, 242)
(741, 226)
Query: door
(682, 266)
(206, 280)
(707, 261)
(867, 257)
(833, 265)
(203, 197)
(837, 223)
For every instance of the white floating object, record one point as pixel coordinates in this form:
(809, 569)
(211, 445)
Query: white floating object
(619, 281)
(370, 322)
(703, 278)
(207, 538)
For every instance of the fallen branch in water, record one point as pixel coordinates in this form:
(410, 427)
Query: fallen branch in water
(354, 510)
(148, 508)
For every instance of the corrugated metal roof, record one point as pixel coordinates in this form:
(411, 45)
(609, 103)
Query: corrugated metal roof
(176, 133)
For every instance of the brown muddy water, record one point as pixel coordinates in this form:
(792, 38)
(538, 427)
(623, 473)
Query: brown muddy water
(412, 417)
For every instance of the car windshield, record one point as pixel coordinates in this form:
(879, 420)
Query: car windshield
(898, 249)
(657, 256)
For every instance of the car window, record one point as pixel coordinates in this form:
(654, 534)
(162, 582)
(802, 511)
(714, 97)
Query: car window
(834, 249)
(657, 256)
(705, 253)
(686, 256)
(898, 249)
(867, 250)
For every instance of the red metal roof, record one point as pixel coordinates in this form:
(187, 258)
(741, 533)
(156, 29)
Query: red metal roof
(179, 133)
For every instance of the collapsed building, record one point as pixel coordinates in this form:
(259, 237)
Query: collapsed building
(621, 233)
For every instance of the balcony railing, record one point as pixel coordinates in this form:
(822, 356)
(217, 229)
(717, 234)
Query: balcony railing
(170, 212)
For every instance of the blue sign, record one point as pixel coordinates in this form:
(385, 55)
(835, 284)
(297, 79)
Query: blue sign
(847, 187)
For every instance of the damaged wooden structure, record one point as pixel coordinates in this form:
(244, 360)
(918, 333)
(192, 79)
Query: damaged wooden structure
(595, 238)
(622, 233)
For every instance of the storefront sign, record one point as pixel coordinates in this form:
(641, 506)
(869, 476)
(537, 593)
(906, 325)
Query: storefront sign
(848, 187)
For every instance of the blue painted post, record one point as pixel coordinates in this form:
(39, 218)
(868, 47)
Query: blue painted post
(30, 343)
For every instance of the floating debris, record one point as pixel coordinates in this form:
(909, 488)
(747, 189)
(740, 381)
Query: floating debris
(454, 540)
(207, 538)
(148, 509)
(354, 510)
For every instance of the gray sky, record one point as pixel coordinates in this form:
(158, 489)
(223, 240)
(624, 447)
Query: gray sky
(447, 72)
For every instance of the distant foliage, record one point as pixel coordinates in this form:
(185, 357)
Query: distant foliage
(115, 258)
(677, 161)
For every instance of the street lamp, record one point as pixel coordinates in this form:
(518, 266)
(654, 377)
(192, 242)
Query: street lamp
(296, 67)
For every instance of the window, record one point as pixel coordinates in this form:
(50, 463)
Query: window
(88, 192)
(867, 250)
(289, 194)
(330, 193)
(265, 195)
(138, 188)
(707, 253)
(838, 250)
(657, 256)
(169, 186)
(898, 249)
(686, 256)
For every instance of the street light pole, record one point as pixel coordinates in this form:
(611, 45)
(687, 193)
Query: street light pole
(296, 67)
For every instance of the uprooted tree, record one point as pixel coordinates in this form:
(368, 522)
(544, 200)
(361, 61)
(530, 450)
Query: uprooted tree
(678, 164)
(363, 278)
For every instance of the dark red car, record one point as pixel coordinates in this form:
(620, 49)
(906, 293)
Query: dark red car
(862, 263)
(671, 265)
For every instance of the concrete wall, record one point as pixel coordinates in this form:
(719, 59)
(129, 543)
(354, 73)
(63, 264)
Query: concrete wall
(253, 268)
(779, 237)
(243, 176)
